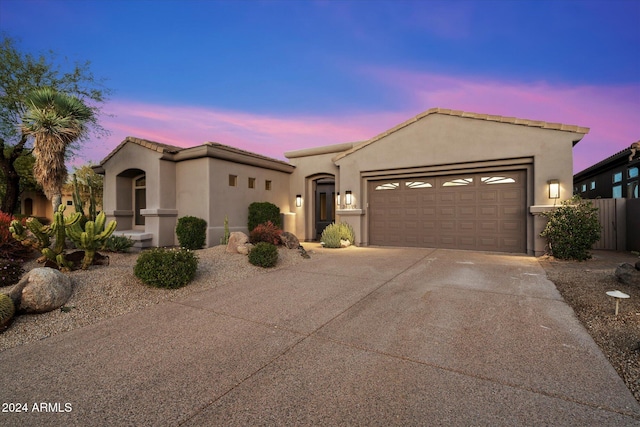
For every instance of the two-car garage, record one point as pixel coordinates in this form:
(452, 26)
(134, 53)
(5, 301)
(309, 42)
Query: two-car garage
(480, 211)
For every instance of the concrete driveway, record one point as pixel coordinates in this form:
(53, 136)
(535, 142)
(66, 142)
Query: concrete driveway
(359, 336)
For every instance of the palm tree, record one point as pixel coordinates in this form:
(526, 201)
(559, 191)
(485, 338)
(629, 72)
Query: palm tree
(55, 120)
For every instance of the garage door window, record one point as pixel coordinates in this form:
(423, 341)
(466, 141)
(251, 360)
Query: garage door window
(388, 186)
(418, 184)
(490, 180)
(458, 182)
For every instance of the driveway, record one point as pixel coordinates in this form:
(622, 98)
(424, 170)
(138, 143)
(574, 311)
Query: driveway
(357, 336)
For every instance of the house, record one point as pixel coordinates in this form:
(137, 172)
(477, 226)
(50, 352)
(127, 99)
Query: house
(444, 179)
(35, 203)
(615, 177)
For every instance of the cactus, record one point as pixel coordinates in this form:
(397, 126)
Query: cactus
(77, 200)
(93, 237)
(7, 310)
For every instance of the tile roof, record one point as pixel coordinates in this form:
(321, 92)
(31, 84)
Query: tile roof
(152, 145)
(612, 158)
(465, 114)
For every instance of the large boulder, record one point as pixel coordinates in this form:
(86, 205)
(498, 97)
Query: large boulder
(627, 274)
(245, 249)
(236, 238)
(41, 290)
(289, 240)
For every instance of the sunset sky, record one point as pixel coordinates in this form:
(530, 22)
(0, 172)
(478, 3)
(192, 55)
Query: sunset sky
(273, 76)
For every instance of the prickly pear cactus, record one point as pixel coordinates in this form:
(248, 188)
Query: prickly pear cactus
(7, 310)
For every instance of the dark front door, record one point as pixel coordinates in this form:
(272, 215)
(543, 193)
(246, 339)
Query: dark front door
(325, 205)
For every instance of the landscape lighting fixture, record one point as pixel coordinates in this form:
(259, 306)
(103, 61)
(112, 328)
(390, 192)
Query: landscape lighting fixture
(554, 189)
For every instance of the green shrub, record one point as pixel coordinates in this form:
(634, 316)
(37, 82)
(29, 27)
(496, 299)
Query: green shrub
(262, 212)
(264, 255)
(267, 232)
(192, 232)
(333, 233)
(572, 229)
(166, 268)
(7, 310)
(118, 244)
(10, 271)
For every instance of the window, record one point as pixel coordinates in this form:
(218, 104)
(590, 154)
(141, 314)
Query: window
(458, 182)
(584, 188)
(497, 180)
(592, 186)
(418, 184)
(632, 172)
(632, 190)
(69, 203)
(252, 183)
(617, 177)
(617, 192)
(233, 180)
(267, 185)
(388, 186)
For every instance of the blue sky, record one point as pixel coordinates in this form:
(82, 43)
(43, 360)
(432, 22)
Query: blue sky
(272, 76)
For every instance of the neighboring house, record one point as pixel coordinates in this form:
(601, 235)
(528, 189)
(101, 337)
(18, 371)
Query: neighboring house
(443, 179)
(615, 177)
(35, 203)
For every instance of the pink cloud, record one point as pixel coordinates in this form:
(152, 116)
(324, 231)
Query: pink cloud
(612, 112)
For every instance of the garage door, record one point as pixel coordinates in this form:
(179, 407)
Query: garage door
(477, 211)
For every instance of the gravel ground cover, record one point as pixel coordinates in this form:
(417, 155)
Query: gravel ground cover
(103, 292)
(583, 285)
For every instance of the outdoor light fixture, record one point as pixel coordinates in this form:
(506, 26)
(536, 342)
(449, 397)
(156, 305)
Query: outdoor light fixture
(298, 200)
(347, 198)
(338, 198)
(554, 189)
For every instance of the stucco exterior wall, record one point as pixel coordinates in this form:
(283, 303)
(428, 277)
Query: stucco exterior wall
(203, 191)
(442, 141)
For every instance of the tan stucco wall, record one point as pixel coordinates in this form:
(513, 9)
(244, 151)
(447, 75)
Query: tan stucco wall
(203, 191)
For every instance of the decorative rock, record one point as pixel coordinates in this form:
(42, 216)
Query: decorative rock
(245, 249)
(344, 243)
(289, 240)
(236, 239)
(41, 290)
(627, 274)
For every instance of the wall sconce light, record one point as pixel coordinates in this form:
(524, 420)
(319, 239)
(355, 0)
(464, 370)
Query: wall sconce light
(338, 198)
(298, 200)
(347, 198)
(554, 189)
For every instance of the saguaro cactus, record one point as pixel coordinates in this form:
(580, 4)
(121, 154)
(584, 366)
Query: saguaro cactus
(93, 237)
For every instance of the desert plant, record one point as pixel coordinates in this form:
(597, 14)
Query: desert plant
(93, 237)
(572, 229)
(7, 310)
(261, 212)
(191, 232)
(225, 237)
(166, 268)
(267, 232)
(118, 244)
(264, 254)
(10, 272)
(335, 232)
(39, 236)
(11, 248)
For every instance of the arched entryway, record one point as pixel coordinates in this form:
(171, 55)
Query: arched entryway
(324, 206)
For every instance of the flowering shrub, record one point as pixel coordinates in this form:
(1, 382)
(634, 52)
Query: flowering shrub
(10, 248)
(267, 232)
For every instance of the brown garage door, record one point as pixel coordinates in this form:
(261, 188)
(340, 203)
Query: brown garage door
(476, 211)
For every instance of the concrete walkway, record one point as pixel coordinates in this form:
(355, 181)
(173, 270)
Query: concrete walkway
(359, 336)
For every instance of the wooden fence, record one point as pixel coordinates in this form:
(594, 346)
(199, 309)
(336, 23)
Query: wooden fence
(620, 221)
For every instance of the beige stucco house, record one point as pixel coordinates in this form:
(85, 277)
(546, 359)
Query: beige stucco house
(444, 179)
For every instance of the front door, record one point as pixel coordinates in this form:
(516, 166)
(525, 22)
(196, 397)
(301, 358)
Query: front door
(325, 205)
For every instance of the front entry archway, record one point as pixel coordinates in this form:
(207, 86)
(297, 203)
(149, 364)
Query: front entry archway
(324, 204)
